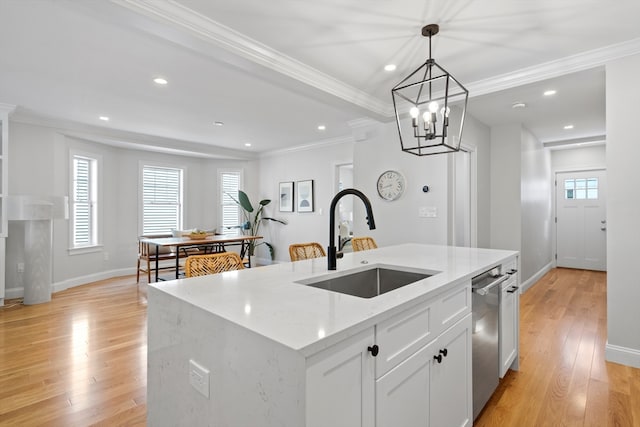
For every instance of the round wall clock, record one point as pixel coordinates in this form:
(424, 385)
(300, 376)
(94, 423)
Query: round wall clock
(390, 185)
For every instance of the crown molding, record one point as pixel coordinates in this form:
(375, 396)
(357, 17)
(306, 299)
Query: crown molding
(576, 142)
(187, 20)
(312, 146)
(7, 108)
(570, 64)
(130, 140)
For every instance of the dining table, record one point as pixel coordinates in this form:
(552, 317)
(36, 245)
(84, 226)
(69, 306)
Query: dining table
(209, 244)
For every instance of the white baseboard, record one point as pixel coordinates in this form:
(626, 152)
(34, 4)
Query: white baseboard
(83, 280)
(76, 281)
(12, 293)
(533, 279)
(264, 261)
(623, 355)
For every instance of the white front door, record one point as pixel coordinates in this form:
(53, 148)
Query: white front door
(581, 220)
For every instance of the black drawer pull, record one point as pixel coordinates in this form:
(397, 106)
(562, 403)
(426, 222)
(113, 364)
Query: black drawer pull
(374, 349)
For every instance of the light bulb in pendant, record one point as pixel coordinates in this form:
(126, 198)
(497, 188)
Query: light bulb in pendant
(414, 112)
(433, 107)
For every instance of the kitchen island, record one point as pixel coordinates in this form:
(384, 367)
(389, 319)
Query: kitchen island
(255, 348)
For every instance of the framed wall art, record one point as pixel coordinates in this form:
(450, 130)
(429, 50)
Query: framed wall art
(304, 194)
(286, 196)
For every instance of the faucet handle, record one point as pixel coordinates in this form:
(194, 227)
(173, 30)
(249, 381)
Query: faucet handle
(339, 254)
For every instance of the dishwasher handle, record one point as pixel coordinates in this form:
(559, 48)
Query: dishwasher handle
(485, 290)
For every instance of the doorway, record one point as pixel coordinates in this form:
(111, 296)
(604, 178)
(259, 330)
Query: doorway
(344, 179)
(463, 197)
(581, 220)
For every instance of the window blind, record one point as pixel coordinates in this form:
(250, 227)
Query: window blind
(229, 185)
(82, 198)
(161, 199)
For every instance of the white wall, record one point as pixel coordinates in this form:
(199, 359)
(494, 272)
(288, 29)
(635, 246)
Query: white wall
(319, 164)
(578, 158)
(377, 150)
(536, 207)
(623, 211)
(398, 221)
(506, 222)
(39, 165)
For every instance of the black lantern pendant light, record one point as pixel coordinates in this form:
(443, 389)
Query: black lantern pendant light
(422, 102)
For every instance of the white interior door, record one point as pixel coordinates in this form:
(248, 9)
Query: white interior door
(581, 220)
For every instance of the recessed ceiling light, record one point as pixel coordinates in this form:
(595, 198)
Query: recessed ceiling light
(218, 123)
(518, 105)
(247, 144)
(160, 81)
(104, 118)
(549, 92)
(321, 127)
(567, 127)
(390, 67)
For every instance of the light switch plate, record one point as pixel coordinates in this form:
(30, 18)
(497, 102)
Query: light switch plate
(199, 378)
(428, 212)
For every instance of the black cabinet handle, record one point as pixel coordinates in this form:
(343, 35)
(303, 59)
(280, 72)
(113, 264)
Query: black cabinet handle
(438, 358)
(444, 352)
(374, 349)
(512, 289)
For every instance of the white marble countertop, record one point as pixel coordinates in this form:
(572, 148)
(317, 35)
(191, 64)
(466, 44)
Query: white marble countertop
(267, 300)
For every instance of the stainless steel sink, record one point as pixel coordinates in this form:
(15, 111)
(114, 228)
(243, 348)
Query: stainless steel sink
(368, 283)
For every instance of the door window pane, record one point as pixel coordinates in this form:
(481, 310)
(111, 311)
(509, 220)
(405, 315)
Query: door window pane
(581, 189)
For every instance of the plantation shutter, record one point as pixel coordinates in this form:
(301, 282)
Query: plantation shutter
(230, 184)
(162, 199)
(82, 224)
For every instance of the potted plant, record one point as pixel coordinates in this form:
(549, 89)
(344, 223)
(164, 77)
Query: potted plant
(253, 219)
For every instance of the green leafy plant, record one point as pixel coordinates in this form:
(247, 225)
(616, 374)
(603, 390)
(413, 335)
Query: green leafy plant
(253, 219)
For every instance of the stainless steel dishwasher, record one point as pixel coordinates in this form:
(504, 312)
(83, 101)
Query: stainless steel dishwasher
(485, 340)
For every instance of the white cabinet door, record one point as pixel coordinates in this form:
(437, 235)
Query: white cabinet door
(451, 391)
(340, 384)
(508, 324)
(402, 395)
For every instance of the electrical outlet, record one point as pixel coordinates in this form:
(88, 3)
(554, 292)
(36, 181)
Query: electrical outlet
(199, 378)
(105, 256)
(21, 267)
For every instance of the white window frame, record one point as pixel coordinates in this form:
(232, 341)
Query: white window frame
(182, 202)
(221, 203)
(95, 197)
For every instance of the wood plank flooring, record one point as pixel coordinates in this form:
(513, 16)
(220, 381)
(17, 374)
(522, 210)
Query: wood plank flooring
(76, 361)
(81, 359)
(563, 378)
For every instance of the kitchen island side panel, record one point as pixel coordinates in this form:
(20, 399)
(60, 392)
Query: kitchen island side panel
(253, 380)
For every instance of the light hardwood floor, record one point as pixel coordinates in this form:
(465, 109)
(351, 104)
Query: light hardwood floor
(81, 359)
(563, 378)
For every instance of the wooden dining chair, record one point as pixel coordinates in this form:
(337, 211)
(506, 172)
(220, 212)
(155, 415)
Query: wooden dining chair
(201, 265)
(147, 256)
(300, 251)
(363, 243)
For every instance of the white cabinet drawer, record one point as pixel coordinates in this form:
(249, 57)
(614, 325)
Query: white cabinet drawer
(453, 306)
(402, 335)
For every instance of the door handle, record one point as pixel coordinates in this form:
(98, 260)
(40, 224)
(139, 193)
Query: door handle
(603, 228)
(604, 221)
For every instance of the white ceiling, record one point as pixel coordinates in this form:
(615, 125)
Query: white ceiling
(273, 71)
